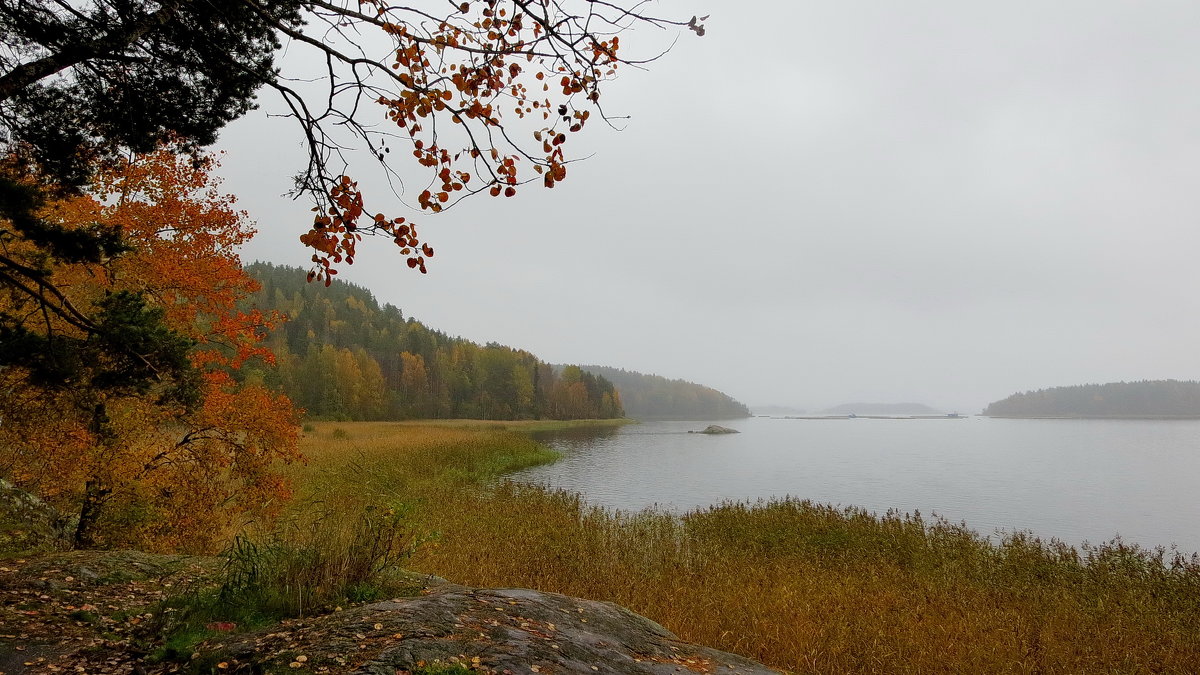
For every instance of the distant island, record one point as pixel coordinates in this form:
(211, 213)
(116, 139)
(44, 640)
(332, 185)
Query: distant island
(882, 409)
(648, 397)
(776, 410)
(1145, 399)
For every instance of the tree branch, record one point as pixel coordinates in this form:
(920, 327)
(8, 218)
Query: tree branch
(24, 75)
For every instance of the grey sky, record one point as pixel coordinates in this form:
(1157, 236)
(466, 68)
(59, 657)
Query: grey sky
(943, 202)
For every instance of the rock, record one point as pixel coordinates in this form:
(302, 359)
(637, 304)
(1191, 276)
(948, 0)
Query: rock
(86, 573)
(485, 630)
(30, 524)
(716, 429)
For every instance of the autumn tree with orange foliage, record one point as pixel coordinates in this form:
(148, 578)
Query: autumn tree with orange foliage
(164, 458)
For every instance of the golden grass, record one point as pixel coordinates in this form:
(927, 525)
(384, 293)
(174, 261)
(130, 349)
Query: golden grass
(799, 586)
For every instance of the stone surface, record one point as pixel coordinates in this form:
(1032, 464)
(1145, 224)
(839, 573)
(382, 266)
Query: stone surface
(29, 524)
(716, 429)
(485, 630)
(85, 611)
(101, 612)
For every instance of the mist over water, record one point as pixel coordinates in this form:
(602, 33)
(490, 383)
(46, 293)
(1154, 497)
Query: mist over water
(1075, 480)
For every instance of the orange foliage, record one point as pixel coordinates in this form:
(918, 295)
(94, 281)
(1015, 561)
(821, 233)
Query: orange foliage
(169, 476)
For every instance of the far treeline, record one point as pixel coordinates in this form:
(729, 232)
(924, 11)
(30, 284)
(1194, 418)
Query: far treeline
(340, 355)
(656, 397)
(1148, 398)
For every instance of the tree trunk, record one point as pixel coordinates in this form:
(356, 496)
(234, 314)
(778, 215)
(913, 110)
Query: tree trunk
(94, 494)
(94, 497)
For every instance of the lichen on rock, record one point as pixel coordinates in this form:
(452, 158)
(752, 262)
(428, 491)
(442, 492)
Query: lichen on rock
(30, 524)
(485, 630)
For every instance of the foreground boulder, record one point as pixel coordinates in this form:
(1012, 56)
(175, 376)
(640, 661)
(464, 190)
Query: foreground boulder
(716, 429)
(483, 630)
(102, 612)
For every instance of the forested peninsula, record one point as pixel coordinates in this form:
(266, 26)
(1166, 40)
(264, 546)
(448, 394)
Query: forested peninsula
(1147, 398)
(656, 397)
(341, 355)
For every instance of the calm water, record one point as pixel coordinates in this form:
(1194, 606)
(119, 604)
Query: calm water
(1077, 480)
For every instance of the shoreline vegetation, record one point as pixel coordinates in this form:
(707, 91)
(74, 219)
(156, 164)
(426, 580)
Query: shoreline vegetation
(800, 586)
(383, 509)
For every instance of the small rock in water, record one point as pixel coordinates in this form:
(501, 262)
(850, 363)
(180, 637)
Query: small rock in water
(716, 429)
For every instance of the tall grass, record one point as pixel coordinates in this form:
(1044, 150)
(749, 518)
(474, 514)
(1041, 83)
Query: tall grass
(378, 460)
(319, 556)
(800, 586)
(355, 521)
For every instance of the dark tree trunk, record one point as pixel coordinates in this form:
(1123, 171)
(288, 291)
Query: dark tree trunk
(93, 500)
(94, 493)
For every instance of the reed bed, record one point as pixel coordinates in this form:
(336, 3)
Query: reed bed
(800, 586)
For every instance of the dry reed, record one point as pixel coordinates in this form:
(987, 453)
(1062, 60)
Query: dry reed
(799, 586)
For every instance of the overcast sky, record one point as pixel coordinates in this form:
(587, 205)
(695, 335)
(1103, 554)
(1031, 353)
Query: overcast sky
(818, 203)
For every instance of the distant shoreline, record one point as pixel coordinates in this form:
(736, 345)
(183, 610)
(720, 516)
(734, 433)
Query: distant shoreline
(1094, 417)
(1002, 417)
(865, 417)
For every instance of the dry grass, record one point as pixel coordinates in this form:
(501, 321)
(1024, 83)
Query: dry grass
(796, 585)
(380, 461)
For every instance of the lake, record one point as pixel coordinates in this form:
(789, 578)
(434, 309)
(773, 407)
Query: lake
(1075, 480)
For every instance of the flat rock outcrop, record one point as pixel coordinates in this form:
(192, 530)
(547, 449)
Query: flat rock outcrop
(29, 524)
(101, 612)
(716, 429)
(504, 630)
